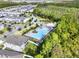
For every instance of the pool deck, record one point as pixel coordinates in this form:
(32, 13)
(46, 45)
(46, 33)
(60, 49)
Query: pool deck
(41, 32)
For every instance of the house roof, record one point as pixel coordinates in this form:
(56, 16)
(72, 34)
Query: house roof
(16, 19)
(17, 9)
(8, 12)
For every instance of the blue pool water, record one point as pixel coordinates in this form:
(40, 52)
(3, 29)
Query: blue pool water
(41, 32)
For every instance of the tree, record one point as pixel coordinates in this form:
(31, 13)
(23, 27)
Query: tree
(30, 49)
(1, 32)
(39, 56)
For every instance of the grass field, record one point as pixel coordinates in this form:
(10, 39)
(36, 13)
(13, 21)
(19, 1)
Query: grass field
(61, 1)
(74, 3)
(7, 4)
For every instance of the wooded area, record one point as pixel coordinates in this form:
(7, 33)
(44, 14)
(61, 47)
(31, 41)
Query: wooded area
(63, 42)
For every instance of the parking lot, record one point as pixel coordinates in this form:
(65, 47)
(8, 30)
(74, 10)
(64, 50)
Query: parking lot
(10, 54)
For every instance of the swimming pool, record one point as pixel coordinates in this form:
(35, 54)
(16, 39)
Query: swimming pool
(41, 32)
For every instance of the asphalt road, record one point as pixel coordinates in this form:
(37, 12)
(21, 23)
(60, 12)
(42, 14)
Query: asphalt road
(10, 54)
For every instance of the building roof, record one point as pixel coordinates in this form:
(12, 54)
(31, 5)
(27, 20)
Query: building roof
(17, 9)
(15, 19)
(16, 40)
(9, 12)
(10, 54)
(1, 26)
